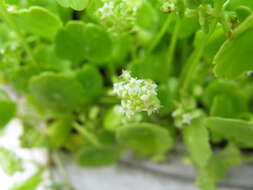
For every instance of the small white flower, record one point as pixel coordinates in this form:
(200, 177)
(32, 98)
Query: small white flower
(185, 114)
(187, 119)
(106, 10)
(126, 75)
(144, 97)
(137, 94)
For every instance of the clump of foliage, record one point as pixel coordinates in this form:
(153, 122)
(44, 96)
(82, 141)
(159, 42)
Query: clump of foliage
(187, 78)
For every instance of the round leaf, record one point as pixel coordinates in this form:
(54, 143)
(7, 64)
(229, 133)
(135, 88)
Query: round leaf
(145, 138)
(91, 81)
(233, 4)
(235, 56)
(155, 69)
(46, 58)
(225, 98)
(74, 4)
(213, 43)
(99, 156)
(69, 45)
(112, 119)
(57, 91)
(38, 20)
(21, 77)
(232, 129)
(146, 16)
(92, 43)
(197, 142)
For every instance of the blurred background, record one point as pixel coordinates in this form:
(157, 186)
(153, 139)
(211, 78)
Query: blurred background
(126, 174)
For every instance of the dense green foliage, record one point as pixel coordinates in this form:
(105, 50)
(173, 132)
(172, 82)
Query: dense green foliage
(63, 58)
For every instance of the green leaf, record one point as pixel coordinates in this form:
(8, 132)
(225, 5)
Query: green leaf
(91, 10)
(196, 138)
(231, 155)
(31, 137)
(144, 137)
(9, 162)
(38, 20)
(21, 77)
(204, 180)
(243, 12)
(70, 46)
(121, 47)
(222, 107)
(155, 69)
(234, 4)
(146, 16)
(106, 137)
(99, 156)
(167, 94)
(7, 109)
(221, 161)
(7, 38)
(92, 43)
(188, 26)
(45, 57)
(232, 129)
(57, 91)
(225, 99)
(235, 56)
(214, 43)
(57, 133)
(98, 44)
(30, 184)
(216, 168)
(113, 119)
(74, 4)
(92, 82)
(7, 112)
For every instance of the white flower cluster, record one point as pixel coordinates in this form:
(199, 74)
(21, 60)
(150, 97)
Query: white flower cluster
(184, 115)
(106, 10)
(117, 14)
(136, 95)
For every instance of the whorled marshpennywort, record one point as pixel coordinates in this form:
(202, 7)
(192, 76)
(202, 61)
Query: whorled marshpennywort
(136, 95)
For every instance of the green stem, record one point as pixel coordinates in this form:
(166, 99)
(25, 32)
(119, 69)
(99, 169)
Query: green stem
(89, 136)
(49, 165)
(173, 44)
(7, 18)
(192, 64)
(62, 170)
(160, 33)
